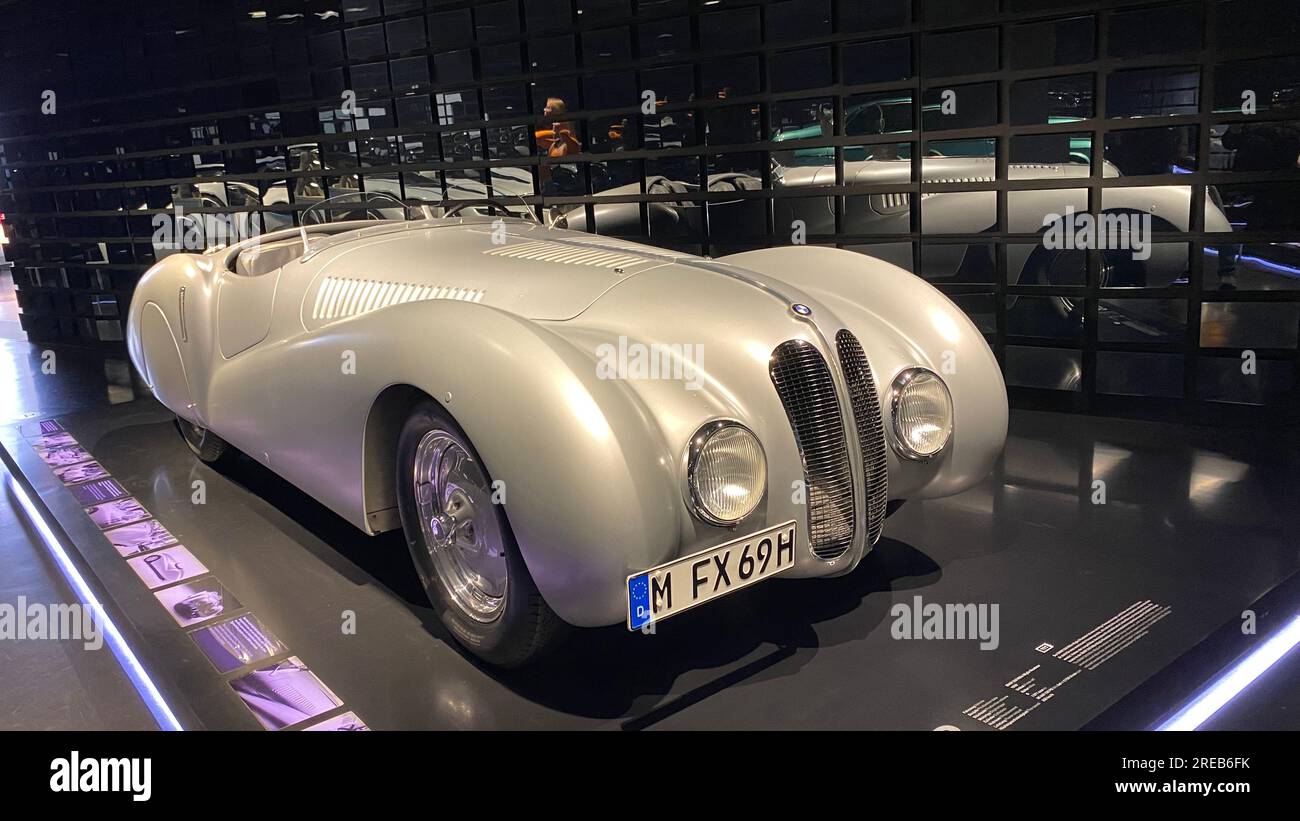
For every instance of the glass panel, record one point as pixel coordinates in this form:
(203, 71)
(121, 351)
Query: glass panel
(1052, 100)
(1153, 92)
(1260, 24)
(877, 61)
(669, 130)
(737, 220)
(614, 133)
(1255, 146)
(1053, 43)
(855, 15)
(615, 89)
(1142, 320)
(1140, 374)
(888, 213)
(616, 174)
(1261, 206)
(662, 37)
(1031, 264)
(1139, 151)
(973, 51)
(1157, 30)
(730, 29)
(1249, 324)
(1058, 369)
(802, 119)
(1034, 155)
(1264, 266)
(798, 20)
(1220, 379)
(552, 53)
(808, 68)
(895, 253)
(495, 20)
(959, 106)
(969, 160)
(1168, 205)
(816, 214)
(542, 15)
(1055, 317)
(736, 77)
(606, 46)
(733, 124)
(671, 84)
(981, 308)
(881, 113)
(959, 262)
(890, 162)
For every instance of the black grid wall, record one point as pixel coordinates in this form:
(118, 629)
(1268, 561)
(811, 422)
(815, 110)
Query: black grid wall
(969, 141)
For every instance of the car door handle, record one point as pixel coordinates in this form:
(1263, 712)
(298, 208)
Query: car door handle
(185, 333)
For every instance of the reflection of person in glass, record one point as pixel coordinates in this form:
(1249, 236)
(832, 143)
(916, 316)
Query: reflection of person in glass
(560, 140)
(1259, 147)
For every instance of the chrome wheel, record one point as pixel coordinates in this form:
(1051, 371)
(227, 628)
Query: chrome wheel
(460, 528)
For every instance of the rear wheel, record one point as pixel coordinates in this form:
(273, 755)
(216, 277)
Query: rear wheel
(204, 444)
(463, 549)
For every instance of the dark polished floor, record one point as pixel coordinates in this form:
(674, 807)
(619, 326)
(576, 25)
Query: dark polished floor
(50, 684)
(1202, 522)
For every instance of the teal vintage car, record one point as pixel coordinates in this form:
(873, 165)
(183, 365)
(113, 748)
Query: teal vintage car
(893, 115)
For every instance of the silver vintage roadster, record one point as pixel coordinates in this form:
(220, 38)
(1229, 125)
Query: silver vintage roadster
(571, 429)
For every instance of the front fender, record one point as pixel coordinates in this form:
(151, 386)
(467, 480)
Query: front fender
(586, 491)
(902, 321)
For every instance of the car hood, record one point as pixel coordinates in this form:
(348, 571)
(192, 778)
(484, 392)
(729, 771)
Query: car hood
(532, 272)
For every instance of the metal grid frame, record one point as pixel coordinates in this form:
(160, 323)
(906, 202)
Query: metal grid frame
(24, 136)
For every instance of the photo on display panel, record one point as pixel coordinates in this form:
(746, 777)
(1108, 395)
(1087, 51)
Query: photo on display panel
(61, 457)
(118, 512)
(197, 601)
(165, 567)
(346, 722)
(140, 537)
(284, 694)
(84, 472)
(51, 441)
(235, 643)
(101, 490)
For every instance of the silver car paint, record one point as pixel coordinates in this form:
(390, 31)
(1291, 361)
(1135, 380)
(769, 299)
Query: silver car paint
(592, 468)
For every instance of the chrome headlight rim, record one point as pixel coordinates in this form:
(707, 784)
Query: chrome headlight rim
(694, 448)
(897, 438)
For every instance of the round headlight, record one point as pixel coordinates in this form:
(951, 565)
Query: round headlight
(922, 413)
(726, 472)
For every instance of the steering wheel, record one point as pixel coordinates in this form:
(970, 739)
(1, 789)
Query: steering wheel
(460, 205)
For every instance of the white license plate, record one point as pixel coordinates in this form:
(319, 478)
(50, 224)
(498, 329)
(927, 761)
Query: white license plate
(672, 588)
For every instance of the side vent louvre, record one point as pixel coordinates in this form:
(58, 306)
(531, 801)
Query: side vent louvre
(871, 429)
(341, 297)
(565, 254)
(807, 390)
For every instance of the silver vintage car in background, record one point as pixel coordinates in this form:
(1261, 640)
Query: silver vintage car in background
(570, 429)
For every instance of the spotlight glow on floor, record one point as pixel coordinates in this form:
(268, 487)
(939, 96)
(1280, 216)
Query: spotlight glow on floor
(130, 664)
(1227, 686)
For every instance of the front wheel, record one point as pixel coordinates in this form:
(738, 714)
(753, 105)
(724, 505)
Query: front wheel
(203, 443)
(463, 549)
